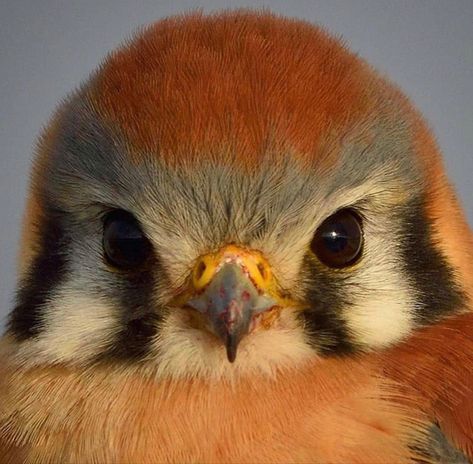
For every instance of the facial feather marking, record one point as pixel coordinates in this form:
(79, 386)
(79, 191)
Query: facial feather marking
(76, 328)
(382, 306)
(383, 316)
(44, 275)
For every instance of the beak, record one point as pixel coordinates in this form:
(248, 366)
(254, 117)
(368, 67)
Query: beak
(230, 288)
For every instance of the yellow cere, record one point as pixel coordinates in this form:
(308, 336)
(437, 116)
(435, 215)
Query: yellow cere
(252, 261)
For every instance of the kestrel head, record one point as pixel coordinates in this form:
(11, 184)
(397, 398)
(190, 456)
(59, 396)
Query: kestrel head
(235, 187)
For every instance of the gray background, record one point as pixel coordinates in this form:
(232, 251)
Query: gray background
(47, 47)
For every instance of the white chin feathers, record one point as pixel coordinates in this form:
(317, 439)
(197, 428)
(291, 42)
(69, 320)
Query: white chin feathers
(185, 352)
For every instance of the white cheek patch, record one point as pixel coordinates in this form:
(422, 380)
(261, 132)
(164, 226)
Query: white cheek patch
(76, 329)
(380, 319)
(382, 308)
(186, 352)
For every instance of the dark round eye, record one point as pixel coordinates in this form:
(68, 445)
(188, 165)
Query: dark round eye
(124, 244)
(338, 241)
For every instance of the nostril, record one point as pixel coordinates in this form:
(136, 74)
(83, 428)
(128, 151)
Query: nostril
(199, 272)
(262, 271)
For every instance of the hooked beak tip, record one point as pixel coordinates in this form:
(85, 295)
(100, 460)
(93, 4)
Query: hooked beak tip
(231, 345)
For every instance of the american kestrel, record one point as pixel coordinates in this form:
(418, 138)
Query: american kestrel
(240, 246)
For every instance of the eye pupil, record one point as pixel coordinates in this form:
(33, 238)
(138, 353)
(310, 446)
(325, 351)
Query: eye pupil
(339, 239)
(336, 240)
(124, 243)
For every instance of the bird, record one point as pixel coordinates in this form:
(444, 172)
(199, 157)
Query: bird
(240, 245)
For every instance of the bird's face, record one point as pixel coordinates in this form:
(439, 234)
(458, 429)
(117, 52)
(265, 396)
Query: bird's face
(210, 233)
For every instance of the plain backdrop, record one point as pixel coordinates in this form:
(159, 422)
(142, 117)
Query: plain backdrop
(48, 47)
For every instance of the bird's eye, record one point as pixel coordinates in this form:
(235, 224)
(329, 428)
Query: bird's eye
(124, 243)
(338, 241)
